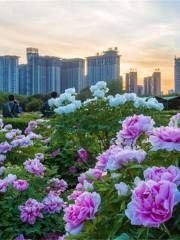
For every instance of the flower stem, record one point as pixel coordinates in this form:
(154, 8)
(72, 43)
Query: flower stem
(166, 230)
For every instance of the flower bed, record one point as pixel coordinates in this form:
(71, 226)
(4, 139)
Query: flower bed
(107, 168)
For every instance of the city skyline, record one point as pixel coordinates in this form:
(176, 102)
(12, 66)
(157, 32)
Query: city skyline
(146, 32)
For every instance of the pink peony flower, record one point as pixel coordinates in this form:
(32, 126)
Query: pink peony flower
(10, 178)
(175, 121)
(166, 138)
(3, 185)
(53, 203)
(122, 188)
(8, 126)
(2, 158)
(91, 173)
(85, 208)
(34, 166)
(74, 195)
(152, 203)
(5, 147)
(31, 211)
(83, 154)
(74, 217)
(58, 185)
(95, 173)
(133, 127)
(119, 159)
(20, 237)
(103, 158)
(72, 170)
(55, 152)
(21, 142)
(157, 174)
(28, 130)
(54, 236)
(32, 124)
(20, 185)
(39, 156)
(90, 201)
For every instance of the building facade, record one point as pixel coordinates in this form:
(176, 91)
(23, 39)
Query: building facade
(23, 79)
(177, 74)
(131, 81)
(156, 80)
(148, 86)
(43, 73)
(104, 67)
(9, 81)
(73, 74)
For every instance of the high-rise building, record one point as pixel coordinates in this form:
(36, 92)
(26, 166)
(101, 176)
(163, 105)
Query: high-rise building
(73, 74)
(177, 74)
(148, 86)
(139, 90)
(23, 79)
(53, 74)
(103, 67)
(131, 81)
(156, 80)
(127, 87)
(43, 73)
(32, 70)
(9, 74)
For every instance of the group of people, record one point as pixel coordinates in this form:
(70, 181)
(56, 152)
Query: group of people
(12, 108)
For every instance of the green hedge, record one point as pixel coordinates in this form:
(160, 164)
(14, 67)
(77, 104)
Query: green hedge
(22, 121)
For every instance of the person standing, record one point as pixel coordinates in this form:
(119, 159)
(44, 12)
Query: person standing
(11, 109)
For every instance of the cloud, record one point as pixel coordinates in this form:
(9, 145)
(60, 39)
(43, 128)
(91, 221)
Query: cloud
(146, 32)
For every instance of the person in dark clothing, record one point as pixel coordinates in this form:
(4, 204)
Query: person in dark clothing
(46, 109)
(11, 109)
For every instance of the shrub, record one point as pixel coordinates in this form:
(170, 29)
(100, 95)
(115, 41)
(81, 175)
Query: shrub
(34, 105)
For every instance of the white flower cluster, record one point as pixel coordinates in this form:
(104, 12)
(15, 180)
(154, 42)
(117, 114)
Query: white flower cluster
(151, 103)
(99, 89)
(66, 103)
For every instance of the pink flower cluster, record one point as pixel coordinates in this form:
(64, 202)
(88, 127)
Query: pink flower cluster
(117, 157)
(34, 166)
(158, 174)
(20, 185)
(53, 203)
(133, 127)
(152, 203)
(21, 141)
(4, 183)
(31, 210)
(167, 138)
(13, 133)
(85, 208)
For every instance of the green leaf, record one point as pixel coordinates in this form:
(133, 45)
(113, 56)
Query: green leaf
(123, 236)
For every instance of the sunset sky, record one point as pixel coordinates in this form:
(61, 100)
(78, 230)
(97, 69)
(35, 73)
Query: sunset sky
(147, 32)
